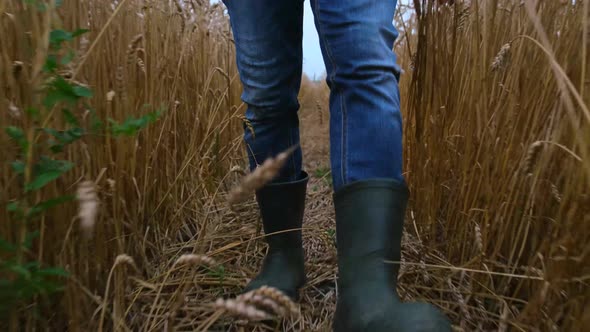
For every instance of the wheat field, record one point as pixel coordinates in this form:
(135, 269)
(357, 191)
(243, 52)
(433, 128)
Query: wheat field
(122, 152)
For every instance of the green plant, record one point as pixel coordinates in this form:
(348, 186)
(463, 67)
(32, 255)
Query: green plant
(22, 276)
(324, 174)
(218, 272)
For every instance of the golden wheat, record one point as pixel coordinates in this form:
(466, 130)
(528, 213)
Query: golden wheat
(88, 207)
(259, 177)
(241, 309)
(473, 100)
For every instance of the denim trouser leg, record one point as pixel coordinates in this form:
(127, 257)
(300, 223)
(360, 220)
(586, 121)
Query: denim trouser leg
(268, 37)
(356, 38)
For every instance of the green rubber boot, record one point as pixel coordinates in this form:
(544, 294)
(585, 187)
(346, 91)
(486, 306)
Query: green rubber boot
(369, 225)
(281, 207)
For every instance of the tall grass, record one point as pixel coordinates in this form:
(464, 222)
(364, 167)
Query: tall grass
(497, 141)
(138, 56)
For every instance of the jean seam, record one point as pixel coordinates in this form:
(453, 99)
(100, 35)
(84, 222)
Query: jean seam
(344, 138)
(292, 157)
(342, 107)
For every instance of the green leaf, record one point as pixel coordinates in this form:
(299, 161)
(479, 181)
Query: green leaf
(15, 133)
(42, 180)
(60, 90)
(69, 117)
(32, 265)
(50, 64)
(6, 246)
(55, 147)
(16, 209)
(54, 271)
(12, 206)
(19, 136)
(18, 166)
(40, 207)
(67, 58)
(82, 91)
(79, 32)
(75, 133)
(33, 112)
(96, 124)
(20, 270)
(132, 125)
(64, 137)
(47, 170)
(38, 4)
(28, 243)
(58, 36)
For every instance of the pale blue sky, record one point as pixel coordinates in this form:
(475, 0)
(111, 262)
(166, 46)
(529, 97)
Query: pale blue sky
(313, 64)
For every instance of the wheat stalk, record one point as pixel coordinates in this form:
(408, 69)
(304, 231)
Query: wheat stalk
(190, 260)
(120, 83)
(122, 259)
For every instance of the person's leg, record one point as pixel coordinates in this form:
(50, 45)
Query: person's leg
(356, 38)
(268, 39)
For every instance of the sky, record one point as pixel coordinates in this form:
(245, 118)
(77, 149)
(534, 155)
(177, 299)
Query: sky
(313, 63)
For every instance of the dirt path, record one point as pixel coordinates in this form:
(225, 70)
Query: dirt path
(232, 238)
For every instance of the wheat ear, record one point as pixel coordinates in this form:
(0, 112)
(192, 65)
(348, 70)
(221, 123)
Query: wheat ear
(259, 177)
(88, 207)
(242, 309)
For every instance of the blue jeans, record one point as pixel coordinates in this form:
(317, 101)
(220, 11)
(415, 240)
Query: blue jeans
(356, 40)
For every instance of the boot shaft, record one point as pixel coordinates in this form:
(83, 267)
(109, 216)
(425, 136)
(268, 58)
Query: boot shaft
(369, 225)
(282, 207)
